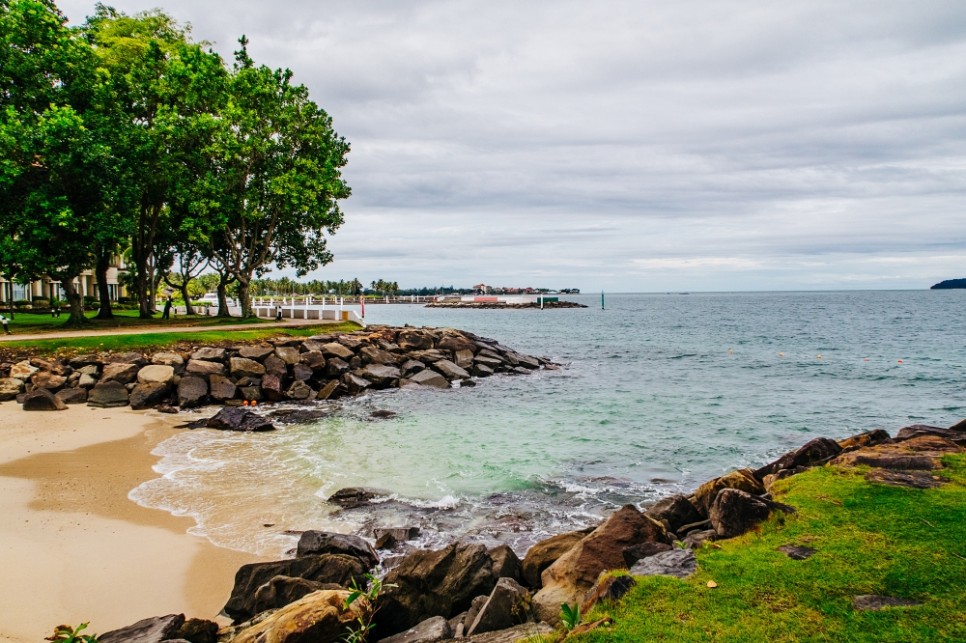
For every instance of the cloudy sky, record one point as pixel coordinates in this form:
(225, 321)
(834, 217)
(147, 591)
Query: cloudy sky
(630, 145)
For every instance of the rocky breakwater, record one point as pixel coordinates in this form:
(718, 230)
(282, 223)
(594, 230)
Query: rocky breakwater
(322, 367)
(486, 594)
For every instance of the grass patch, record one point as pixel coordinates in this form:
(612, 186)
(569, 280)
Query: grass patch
(870, 539)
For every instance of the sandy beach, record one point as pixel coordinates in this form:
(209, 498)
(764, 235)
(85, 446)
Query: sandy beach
(74, 548)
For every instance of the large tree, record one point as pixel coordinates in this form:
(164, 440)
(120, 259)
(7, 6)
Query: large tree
(278, 167)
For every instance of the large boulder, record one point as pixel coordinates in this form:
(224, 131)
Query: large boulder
(545, 553)
(10, 388)
(192, 391)
(380, 375)
(450, 370)
(271, 385)
(23, 370)
(735, 511)
(42, 400)
(566, 580)
(244, 367)
(122, 372)
(813, 452)
(314, 543)
(48, 380)
(327, 568)
(205, 368)
(319, 617)
(236, 418)
(150, 394)
(299, 390)
(431, 630)
(149, 630)
(279, 591)
(209, 353)
(920, 452)
(676, 510)
(257, 352)
(288, 354)
(221, 388)
(430, 378)
(335, 349)
(507, 605)
(438, 583)
(107, 395)
(744, 479)
(73, 395)
(676, 562)
(156, 373)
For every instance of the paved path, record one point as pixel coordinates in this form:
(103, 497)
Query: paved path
(151, 330)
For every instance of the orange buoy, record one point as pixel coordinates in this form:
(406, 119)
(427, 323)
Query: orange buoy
(254, 402)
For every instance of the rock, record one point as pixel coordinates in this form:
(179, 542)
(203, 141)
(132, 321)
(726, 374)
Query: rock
(354, 383)
(608, 588)
(313, 543)
(149, 630)
(276, 366)
(107, 395)
(10, 388)
(450, 371)
(797, 552)
(302, 372)
(327, 568)
(119, 372)
(743, 479)
(257, 352)
(221, 388)
(209, 353)
(352, 497)
(567, 579)
(42, 400)
(959, 426)
(922, 452)
(72, 395)
(544, 553)
(908, 479)
(150, 394)
(155, 373)
(373, 355)
(86, 381)
(168, 358)
(429, 631)
(271, 386)
(48, 380)
(251, 393)
(380, 375)
(871, 602)
(679, 563)
(677, 510)
(205, 368)
(241, 367)
(330, 389)
(634, 553)
(288, 354)
(435, 583)
(430, 378)
(389, 538)
(866, 439)
(279, 591)
(299, 390)
(735, 511)
(697, 538)
(508, 605)
(906, 433)
(514, 635)
(319, 617)
(192, 391)
(335, 349)
(235, 418)
(197, 630)
(813, 452)
(414, 340)
(22, 370)
(383, 414)
(336, 368)
(463, 358)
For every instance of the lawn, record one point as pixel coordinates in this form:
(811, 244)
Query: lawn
(869, 539)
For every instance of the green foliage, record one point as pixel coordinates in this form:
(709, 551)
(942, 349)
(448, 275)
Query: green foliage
(869, 539)
(364, 625)
(68, 634)
(569, 616)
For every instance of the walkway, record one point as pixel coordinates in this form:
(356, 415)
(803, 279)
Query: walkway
(151, 330)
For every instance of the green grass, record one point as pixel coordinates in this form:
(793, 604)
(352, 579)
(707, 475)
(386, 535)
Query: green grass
(870, 539)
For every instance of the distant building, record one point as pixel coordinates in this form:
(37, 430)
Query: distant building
(11, 291)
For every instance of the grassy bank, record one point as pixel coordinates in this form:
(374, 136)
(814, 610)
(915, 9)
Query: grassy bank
(869, 539)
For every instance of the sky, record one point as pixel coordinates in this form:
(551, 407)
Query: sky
(629, 146)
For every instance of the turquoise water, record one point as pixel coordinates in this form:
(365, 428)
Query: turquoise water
(658, 393)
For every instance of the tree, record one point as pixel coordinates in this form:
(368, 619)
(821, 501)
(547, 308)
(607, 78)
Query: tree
(279, 177)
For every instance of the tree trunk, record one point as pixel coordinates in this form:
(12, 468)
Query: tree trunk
(76, 302)
(103, 292)
(223, 300)
(188, 308)
(142, 281)
(245, 298)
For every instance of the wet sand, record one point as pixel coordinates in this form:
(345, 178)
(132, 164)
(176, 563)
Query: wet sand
(74, 548)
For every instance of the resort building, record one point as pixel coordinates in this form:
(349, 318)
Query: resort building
(12, 292)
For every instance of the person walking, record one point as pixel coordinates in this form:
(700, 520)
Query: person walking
(167, 309)
(6, 324)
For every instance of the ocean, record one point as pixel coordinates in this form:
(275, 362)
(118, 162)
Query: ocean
(656, 394)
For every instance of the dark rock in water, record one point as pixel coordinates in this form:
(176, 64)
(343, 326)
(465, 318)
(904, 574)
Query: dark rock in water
(797, 552)
(352, 497)
(390, 537)
(429, 631)
(679, 563)
(149, 630)
(73, 395)
(279, 591)
(198, 630)
(436, 583)
(151, 394)
(234, 418)
(871, 602)
(42, 400)
(327, 568)
(297, 416)
(734, 512)
(383, 414)
(634, 553)
(313, 543)
(167, 408)
(107, 395)
(506, 606)
(677, 510)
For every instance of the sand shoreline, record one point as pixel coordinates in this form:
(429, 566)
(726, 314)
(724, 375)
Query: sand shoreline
(74, 548)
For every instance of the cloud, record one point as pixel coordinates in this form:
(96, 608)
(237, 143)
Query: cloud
(630, 145)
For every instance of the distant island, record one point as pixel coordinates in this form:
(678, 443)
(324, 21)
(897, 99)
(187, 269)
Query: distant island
(949, 284)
